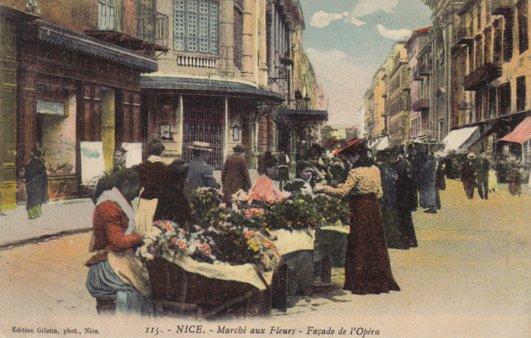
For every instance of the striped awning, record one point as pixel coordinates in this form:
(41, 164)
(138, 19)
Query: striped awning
(520, 134)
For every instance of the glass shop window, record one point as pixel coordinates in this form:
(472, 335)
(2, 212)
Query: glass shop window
(56, 134)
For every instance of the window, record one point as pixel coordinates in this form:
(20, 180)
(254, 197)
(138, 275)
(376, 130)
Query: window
(196, 26)
(498, 42)
(508, 38)
(106, 14)
(479, 105)
(479, 51)
(238, 37)
(523, 39)
(492, 101)
(520, 93)
(488, 41)
(505, 98)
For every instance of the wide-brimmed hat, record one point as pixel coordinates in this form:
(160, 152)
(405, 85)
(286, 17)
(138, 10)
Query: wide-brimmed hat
(238, 149)
(352, 146)
(205, 146)
(471, 156)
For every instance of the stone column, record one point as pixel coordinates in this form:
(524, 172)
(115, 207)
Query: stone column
(180, 125)
(248, 50)
(226, 37)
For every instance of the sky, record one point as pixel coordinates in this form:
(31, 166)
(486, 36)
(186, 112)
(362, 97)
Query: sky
(347, 41)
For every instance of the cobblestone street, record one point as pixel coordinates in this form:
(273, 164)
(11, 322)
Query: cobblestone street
(472, 263)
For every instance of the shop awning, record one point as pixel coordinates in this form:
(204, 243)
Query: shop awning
(74, 41)
(206, 85)
(459, 140)
(520, 134)
(319, 115)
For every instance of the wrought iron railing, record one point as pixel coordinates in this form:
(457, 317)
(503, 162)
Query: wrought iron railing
(119, 16)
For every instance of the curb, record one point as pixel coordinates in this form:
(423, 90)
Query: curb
(43, 238)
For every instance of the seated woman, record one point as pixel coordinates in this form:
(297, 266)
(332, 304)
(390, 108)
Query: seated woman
(114, 271)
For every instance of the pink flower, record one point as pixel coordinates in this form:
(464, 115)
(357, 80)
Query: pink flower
(248, 234)
(167, 226)
(179, 243)
(205, 249)
(254, 212)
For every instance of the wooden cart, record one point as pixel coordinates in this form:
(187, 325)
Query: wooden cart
(178, 292)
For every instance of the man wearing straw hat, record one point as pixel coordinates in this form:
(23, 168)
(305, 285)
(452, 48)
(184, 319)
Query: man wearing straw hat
(200, 174)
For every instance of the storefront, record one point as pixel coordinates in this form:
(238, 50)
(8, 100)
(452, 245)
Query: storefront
(74, 89)
(180, 111)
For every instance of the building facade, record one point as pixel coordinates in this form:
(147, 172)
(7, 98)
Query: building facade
(57, 92)
(491, 88)
(442, 37)
(420, 89)
(230, 65)
(374, 104)
(397, 97)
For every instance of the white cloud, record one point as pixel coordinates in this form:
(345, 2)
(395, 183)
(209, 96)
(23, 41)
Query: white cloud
(344, 82)
(365, 7)
(393, 34)
(322, 19)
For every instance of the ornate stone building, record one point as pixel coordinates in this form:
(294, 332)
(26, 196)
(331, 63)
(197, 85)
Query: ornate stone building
(397, 95)
(442, 37)
(420, 89)
(491, 84)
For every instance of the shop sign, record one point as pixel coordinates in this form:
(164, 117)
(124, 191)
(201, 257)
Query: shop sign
(55, 108)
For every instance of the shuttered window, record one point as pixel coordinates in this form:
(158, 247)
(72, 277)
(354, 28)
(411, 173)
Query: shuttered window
(196, 26)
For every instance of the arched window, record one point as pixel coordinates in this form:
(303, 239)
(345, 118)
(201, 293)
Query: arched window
(196, 26)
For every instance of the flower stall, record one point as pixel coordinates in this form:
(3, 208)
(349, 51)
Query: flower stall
(243, 258)
(217, 254)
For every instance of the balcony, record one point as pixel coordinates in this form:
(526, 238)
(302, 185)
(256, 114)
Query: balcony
(133, 24)
(500, 7)
(463, 38)
(420, 105)
(482, 76)
(416, 73)
(197, 61)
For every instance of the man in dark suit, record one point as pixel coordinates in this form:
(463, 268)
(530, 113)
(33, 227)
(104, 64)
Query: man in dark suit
(235, 175)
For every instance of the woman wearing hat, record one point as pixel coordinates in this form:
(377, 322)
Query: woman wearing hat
(367, 264)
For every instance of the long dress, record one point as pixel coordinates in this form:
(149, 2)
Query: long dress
(427, 193)
(393, 236)
(367, 263)
(36, 187)
(407, 201)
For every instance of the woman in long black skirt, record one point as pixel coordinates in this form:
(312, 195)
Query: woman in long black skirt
(367, 265)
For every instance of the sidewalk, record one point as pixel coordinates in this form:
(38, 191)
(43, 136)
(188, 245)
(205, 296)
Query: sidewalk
(58, 218)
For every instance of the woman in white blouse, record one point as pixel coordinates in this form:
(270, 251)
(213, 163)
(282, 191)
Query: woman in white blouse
(367, 264)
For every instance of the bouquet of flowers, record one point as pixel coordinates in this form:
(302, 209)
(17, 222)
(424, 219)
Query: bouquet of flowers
(225, 243)
(166, 237)
(297, 213)
(331, 209)
(205, 206)
(299, 186)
